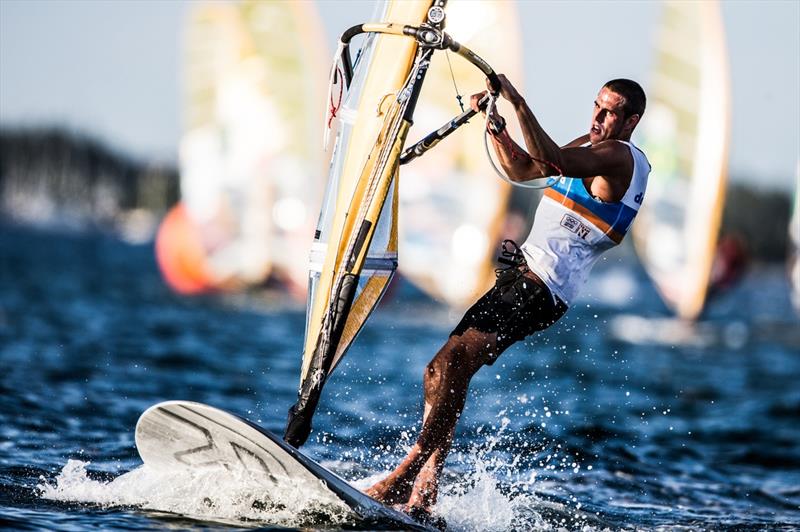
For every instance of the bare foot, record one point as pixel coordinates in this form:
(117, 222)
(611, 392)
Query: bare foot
(391, 490)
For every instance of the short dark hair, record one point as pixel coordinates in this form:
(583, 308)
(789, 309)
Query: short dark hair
(632, 92)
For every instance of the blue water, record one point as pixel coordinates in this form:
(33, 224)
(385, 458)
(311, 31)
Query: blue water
(616, 418)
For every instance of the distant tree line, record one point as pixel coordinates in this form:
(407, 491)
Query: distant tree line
(51, 176)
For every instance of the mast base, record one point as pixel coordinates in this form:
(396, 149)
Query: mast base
(298, 428)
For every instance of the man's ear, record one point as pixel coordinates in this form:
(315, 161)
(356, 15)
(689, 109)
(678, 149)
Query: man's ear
(632, 121)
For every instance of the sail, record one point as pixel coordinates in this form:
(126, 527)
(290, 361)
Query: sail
(454, 211)
(250, 178)
(354, 253)
(686, 136)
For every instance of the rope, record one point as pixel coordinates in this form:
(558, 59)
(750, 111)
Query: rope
(453, 77)
(331, 110)
(334, 107)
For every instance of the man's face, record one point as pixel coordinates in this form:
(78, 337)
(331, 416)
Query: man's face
(608, 118)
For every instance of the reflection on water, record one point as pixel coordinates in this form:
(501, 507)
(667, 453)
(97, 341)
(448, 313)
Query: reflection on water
(617, 418)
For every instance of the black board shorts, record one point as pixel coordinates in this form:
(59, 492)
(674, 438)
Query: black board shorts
(518, 305)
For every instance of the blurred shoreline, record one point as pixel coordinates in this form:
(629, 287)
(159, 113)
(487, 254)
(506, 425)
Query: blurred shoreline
(51, 177)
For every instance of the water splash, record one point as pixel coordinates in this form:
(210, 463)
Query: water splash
(220, 496)
(497, 493)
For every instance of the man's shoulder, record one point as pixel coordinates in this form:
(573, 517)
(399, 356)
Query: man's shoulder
(618, 145)
(614, 151)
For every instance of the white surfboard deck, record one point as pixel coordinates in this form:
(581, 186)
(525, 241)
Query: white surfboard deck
(184, 434)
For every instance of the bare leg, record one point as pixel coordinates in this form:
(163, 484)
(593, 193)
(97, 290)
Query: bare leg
(426, 485)
(445, 384)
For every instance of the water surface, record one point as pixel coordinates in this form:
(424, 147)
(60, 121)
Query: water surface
(616, 418)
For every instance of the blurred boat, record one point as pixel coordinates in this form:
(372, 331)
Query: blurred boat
(686, 136)
(454, 211)
(251, 168)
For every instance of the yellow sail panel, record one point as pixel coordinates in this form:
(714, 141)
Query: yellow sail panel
(686, 136)
(354, 253)
(376, 284)
(389, 67)
(454, 211)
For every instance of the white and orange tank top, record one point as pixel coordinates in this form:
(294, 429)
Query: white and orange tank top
(572, 229)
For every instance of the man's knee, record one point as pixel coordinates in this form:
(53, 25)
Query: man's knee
(461, 357)
(440, 367)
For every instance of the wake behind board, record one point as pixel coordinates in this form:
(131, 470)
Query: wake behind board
(183, 434)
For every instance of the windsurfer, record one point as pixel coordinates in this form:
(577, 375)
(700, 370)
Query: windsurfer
(579, 217)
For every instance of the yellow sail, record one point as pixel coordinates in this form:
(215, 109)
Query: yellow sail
(391, 62)
(354, 253)
(250, 179)
(686, 135)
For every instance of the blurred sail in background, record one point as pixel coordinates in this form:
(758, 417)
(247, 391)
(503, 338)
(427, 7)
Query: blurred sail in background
(454, 211)
(251, 168)
(794, 244)
(686, 136)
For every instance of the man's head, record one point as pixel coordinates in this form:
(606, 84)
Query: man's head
(617, 110)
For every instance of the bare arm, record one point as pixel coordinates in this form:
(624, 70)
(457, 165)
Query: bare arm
(545, 158)
(516, 162)
(580, 141)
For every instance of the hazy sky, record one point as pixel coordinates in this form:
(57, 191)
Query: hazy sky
(113, 69)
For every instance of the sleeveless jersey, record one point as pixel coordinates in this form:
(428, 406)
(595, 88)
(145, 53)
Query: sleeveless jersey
(571, 229)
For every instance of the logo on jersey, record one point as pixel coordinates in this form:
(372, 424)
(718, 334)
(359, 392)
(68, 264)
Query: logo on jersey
(639, 197)
(575, 225)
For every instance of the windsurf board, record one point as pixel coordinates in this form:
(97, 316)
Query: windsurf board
(184, 434)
